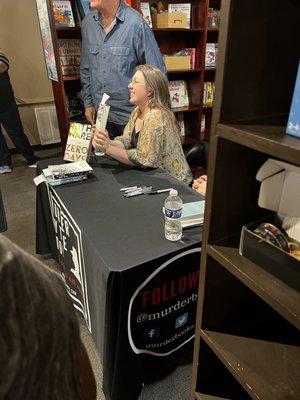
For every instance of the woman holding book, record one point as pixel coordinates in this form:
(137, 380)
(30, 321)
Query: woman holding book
(151, 137)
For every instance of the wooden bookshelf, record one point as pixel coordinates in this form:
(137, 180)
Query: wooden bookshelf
(247, 343)
(171, 40)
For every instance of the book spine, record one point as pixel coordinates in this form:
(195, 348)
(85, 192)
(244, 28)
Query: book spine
(63, 181)
(70, 175)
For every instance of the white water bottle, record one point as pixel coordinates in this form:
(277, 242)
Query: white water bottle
(172, 211)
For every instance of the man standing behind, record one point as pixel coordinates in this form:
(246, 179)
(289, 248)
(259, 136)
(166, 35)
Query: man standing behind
(115, 39)
(10, 120)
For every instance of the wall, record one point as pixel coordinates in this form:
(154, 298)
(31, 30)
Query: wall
(20, 40)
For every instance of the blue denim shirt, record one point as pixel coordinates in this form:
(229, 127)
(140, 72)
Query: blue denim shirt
(108, 61)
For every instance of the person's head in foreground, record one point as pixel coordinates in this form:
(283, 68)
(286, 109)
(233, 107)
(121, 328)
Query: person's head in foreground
(41, 353)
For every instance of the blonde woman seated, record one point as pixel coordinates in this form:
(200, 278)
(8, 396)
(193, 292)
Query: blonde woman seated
(151, 137)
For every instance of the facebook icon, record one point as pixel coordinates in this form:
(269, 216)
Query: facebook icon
(152, 333)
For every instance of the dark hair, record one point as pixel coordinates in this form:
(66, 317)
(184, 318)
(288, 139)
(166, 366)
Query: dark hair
(39, 332)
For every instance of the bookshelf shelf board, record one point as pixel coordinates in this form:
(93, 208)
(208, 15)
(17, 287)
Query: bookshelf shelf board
(71, 78)
(186, 109)
(210, 69)
(200, 396)
(184, 71)
(266, 136)
(284, 299)
(68, 29)
(267, 370)
(185, 140)
(177, 30)
(213, 29)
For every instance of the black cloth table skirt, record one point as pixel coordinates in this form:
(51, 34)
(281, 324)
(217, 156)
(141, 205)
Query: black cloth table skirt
(3, 226)
(136, 290)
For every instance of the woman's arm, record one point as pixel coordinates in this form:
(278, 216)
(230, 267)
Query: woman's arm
(113, 148)
(119, 154)
(151, 142)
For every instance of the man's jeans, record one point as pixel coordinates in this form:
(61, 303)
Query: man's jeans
(11, 122)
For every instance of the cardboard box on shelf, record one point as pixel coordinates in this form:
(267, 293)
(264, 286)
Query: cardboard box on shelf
(177, 62)
(170, 20)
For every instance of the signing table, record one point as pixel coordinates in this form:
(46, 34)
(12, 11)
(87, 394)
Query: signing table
(136, 290)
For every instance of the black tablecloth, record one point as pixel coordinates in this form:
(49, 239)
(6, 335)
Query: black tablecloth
(136, 289)
(3, 226)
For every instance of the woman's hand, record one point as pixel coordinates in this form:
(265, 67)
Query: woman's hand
(200, 184)
(101, 140)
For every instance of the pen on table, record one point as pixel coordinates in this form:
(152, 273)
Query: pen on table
(160, 191)
(125, 189)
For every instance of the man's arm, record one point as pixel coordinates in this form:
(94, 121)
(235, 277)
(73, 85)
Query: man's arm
(147, 49)
(4, 63)
(86, 82)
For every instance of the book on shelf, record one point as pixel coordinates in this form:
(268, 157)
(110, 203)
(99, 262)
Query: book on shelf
(192, 214)
(208, 94)
(69, 54)
(184, 8)
(178, 94)
(180, 120)
(83, 7)
(79, 142)
(293, 125)
(211, 55)
(145, 8)
(63, 14)
(192, 53)
(213, 18)
(202, 127)
(75, 106)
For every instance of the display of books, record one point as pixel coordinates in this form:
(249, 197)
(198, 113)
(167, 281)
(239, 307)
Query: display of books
(69, 54)
(145, 8)
(67, 170)
(79, 142)
(63, 14)
(64, 181)
(192, 214)
(211, 55)
(178, 94)
(184, 8)
(208, 94)
(293, 126)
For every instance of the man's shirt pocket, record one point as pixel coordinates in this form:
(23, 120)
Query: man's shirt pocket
(121, 57)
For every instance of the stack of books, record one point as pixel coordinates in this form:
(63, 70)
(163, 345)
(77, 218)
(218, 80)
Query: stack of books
(69, 54)
(192, 214)
(67, 173)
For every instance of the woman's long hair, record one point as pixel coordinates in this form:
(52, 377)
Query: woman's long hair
(39, 332)
(157, 85)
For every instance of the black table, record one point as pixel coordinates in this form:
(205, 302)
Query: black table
(136, 290)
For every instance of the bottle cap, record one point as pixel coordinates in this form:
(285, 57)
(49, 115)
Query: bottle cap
(173, 192)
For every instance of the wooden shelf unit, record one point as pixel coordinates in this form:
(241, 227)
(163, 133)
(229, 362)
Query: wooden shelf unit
(172, 40)
(247, 343)
(169, 41)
